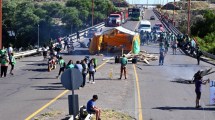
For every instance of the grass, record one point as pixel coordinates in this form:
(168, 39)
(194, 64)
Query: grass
(114, 115)
(47, 115)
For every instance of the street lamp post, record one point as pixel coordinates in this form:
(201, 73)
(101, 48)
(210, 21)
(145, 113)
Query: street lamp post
(38, 37)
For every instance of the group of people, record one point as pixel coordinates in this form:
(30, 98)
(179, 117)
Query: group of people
(85, 66)
(7, 58)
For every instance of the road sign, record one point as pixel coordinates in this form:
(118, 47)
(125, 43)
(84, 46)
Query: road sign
(212, 92)
(72, 79)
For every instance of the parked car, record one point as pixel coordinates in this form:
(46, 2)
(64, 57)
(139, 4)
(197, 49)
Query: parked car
(152, 18)
(160, 25)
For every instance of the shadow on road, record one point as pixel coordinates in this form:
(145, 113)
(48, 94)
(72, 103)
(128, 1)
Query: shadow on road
(43, 78)
(37, 70)
(186, 65)
(183, 108)
(39, 64)
(49, 87)
(183, 81)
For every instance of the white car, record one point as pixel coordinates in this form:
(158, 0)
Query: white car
(145, 25)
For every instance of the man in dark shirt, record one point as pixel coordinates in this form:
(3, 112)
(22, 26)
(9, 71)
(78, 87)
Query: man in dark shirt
(198, 55)
(91, 108)
(198, 88)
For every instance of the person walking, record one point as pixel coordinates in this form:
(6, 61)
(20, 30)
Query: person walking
(124, 63)
(174, 46)
(13, 62)
(198, 87)
(161, 57)
(62, 65)
(84, 71)
(92, 70)
(4, 65)
(198, 54)
(92, 109)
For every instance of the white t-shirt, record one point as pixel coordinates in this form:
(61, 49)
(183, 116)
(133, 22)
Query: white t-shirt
(92, 68)
(10, 50)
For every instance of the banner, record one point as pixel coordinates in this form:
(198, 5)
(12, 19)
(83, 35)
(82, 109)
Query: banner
(212, 92)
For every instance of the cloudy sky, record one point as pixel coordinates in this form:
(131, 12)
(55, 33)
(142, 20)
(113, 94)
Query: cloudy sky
(150, 1)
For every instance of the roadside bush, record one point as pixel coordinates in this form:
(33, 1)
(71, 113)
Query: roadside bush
(207, 43)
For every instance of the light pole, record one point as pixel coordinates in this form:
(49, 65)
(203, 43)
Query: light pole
(38, 37)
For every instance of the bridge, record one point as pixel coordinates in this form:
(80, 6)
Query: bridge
(145, 5)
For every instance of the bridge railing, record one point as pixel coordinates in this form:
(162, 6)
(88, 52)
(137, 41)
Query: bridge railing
(171, 28)
(72, 36)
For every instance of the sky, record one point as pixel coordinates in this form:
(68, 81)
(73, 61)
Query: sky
(149, 1)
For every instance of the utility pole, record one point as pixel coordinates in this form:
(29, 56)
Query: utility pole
(92, 11)
(173, 13)
(38, 36)
(166, 5)
(1, 24)
(188, 18)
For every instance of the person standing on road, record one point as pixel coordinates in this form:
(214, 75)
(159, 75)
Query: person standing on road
(198, 87)
(13, 62)
(9, 51)
(92, 109)
(4, 65)
(174, 45)
(70, 65)
(161, 57)
(124, 63)
(92, 70)
(79, 66)
(198, 55)
(62, 65)
(84, 71)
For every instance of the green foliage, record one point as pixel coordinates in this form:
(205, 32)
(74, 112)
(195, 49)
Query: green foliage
(208, 43)
(205, 30)
(54, 19)
(203, 27)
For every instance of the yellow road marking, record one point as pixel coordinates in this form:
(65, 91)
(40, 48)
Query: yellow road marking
(140, 116)
(55, 99)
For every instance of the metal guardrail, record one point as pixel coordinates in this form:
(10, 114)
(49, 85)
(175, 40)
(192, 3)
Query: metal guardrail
(172, 28)
(72, 36)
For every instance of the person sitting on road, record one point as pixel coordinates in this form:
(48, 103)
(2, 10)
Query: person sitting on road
(92, 109)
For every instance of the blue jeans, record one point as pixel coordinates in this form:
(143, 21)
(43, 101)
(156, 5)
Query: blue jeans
(161, 60)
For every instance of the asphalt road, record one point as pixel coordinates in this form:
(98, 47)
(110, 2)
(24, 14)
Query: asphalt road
(165, 95)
